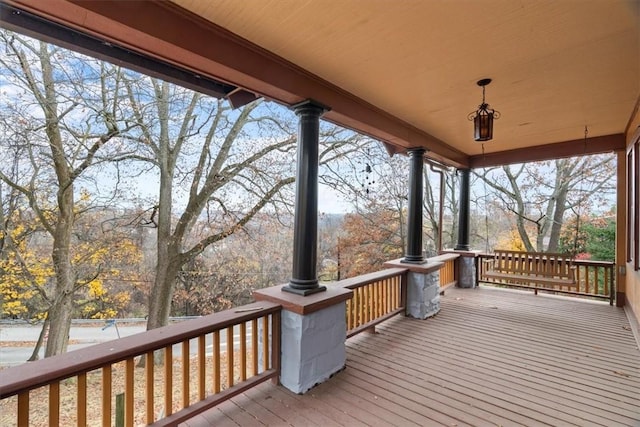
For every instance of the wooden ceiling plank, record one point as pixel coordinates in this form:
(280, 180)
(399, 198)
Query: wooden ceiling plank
(157, 29)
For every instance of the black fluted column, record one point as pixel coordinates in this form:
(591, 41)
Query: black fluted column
(463, 215)
(304, 277)
(413, 253)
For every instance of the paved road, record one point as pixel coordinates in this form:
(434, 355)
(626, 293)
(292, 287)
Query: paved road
(83, 336)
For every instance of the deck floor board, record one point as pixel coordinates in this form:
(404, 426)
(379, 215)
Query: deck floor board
(490, 357)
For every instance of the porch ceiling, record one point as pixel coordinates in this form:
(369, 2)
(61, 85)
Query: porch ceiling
(406, 71)
(557, 65)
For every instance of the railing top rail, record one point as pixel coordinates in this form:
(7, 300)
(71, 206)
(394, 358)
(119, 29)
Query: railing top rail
(444, 257)
(36, 374)
(502, 252)
(576, 261)
(594, 262)
(365, 279)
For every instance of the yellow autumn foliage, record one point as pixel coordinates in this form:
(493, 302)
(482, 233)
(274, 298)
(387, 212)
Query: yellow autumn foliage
(511, 241)
(27, 272)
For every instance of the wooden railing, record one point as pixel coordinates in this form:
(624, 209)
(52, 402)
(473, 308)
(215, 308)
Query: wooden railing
(592, 278)
(376, 297)
(448, 274)
(190, 379)
(596, 278)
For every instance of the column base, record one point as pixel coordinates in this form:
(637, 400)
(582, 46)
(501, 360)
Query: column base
(303, 291)
(413, 260)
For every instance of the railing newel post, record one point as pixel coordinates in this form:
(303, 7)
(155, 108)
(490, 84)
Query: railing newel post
(275, 343)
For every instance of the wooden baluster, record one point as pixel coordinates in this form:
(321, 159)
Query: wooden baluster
(202, 366)
(81, 400)
(106, 396)
(54, 404)
(374, 301)
(359, 307)
(265, 343)
(578, 273)
(362, 305)
(275, 342)
(216, 362)
(377, 299)
(230, 361)
(389, 293)
(397, 284)
(243, 351)
(355, 302)
(382, 303)
(186, 373)
(149, 365)
(395, 292)
(168, 381)
(128, 392)
(23, 409)
(370, 303)
(254, 345)
(587, 279)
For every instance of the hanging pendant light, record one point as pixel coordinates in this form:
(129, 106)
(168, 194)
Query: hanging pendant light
(483, 117)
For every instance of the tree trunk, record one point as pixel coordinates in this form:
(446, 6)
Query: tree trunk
(162, 295)
(61, 311)
(558, 220)
(35, 354)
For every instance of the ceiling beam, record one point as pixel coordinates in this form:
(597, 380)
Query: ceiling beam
(559, 150)
(171, 34)
(34, 26)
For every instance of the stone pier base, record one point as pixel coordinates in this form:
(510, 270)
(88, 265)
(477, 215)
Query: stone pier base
(313, 334)
(423, 287)
(467, 271)
(313, 347)
(423, 294)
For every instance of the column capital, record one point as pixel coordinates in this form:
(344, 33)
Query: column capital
(309, 107)
(418, 151)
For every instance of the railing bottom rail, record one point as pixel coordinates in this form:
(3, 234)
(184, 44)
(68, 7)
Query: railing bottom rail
(211, 401)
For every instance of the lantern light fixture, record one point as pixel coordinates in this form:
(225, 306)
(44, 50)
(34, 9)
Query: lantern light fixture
(483, 117)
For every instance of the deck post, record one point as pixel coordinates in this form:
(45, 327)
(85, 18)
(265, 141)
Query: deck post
(463, 216)
(304, 277)
(414, 253)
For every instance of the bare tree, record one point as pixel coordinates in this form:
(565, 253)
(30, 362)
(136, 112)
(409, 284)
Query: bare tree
(61, 113)
(214, 165)
(542, 194)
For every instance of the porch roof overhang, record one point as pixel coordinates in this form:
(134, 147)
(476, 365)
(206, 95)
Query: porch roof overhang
(403, 72)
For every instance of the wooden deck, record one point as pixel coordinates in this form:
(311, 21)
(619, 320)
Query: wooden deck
(491, 357)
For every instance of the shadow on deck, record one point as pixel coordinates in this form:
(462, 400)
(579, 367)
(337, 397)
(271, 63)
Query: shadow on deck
(490, 357)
